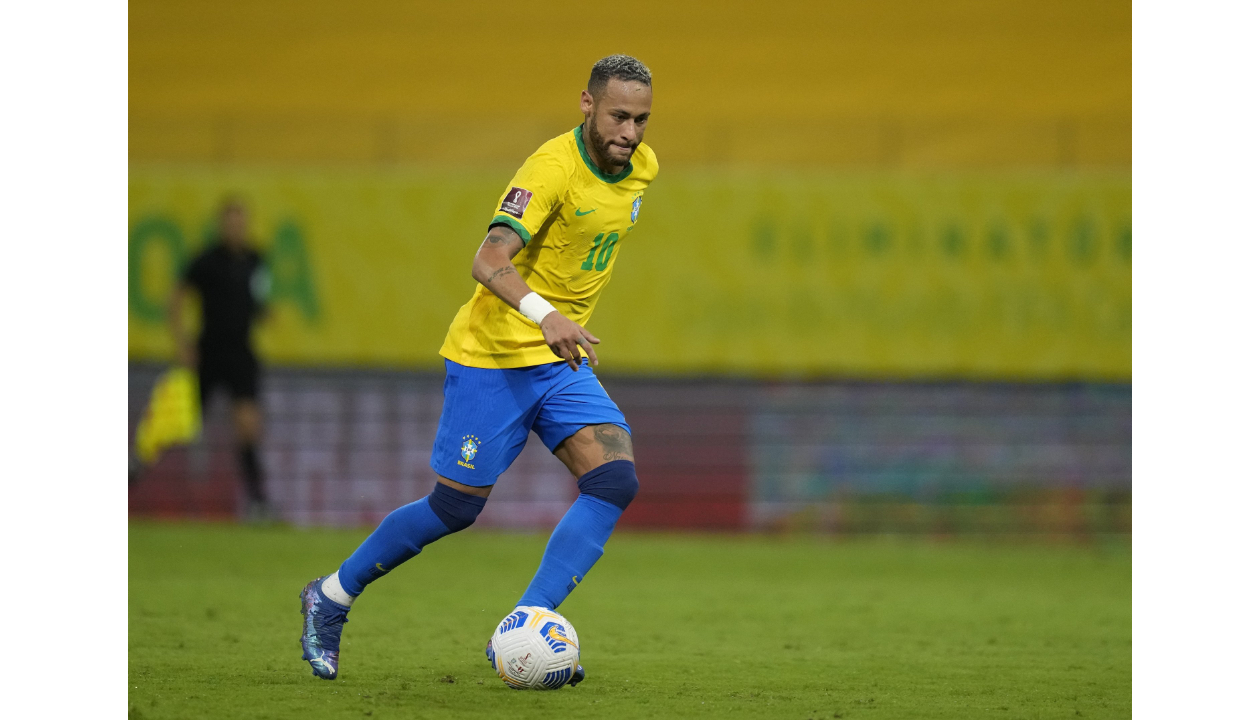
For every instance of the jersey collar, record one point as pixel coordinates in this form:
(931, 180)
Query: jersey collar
(577, 134)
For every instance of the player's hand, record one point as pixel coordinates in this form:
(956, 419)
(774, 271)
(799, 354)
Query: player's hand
(564, 337)
(187, 355)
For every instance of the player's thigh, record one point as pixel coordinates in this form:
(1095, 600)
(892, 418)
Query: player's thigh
(486, 416)
(581, 424)
(594, 445)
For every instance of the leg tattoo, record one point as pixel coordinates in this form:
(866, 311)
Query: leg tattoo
(614, 441)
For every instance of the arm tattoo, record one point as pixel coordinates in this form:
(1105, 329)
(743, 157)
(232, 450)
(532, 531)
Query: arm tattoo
(500, 273)
(615, 441)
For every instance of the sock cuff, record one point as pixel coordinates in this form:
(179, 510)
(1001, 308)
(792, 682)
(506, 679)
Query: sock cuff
(614, 482)
(331, 588)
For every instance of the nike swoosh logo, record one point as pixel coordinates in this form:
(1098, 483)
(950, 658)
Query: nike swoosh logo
(579, 212)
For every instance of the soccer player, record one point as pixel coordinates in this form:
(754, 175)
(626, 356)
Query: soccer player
(232, 281)
(518, 358)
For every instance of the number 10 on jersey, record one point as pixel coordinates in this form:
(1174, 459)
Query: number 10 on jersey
(604, 247)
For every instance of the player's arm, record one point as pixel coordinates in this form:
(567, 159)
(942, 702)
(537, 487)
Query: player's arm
(493, 268)
(184, 351)
(260, 291)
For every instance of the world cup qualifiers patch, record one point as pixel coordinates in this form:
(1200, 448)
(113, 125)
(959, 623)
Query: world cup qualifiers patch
(634, 209)
(516, 201)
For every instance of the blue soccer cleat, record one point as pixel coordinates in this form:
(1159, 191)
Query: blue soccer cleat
(321, 629)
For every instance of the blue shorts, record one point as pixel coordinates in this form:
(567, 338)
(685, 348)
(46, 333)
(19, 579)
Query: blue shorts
(487, 415)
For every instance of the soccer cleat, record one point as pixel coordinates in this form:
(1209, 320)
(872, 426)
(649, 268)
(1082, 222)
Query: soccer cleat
(321, 629)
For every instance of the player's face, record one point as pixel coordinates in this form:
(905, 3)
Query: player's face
(616, 120)
(234, 225)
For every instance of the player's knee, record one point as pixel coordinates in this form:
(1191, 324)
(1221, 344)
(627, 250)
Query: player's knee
(613, 482)
(455, 509)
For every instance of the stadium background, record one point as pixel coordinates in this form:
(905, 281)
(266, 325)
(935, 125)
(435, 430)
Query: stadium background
(883, 281)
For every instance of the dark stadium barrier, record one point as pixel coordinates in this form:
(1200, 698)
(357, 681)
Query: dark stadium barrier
(345, 447)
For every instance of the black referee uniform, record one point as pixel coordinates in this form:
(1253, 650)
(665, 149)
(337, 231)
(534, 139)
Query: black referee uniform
(233, 286)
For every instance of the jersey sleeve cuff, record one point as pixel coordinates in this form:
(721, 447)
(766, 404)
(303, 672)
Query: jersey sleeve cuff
(514, 224)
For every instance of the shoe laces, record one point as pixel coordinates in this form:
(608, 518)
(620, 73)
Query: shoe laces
(328, 621)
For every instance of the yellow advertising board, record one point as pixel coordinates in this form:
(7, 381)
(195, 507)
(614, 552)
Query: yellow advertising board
(975, 275)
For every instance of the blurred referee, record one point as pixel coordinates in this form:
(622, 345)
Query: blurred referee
(232, 281)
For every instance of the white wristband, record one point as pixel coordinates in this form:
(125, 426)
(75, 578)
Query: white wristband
(535, 308)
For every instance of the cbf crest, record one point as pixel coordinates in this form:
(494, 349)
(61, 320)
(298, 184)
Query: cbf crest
(634, 209)
(468, 450)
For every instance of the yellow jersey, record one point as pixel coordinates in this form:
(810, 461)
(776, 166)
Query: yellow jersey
(574, 218)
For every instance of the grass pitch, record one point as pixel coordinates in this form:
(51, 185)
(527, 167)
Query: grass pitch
(672, 626)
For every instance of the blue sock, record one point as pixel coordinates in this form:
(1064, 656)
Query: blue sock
(403, 533)
(578, 540)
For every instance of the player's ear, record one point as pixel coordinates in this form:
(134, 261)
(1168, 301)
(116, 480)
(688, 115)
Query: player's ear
(587, 103)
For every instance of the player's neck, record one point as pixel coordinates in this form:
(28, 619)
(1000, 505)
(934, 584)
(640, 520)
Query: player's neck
(598, 158)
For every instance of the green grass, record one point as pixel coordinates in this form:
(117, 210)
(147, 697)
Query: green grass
(672, 626)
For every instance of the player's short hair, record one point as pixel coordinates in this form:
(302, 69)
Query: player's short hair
(619, 67)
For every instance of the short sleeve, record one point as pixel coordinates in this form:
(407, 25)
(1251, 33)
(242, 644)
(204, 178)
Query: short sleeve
(535, 192)
(260, 282)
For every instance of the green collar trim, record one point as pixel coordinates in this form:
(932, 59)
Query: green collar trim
(577, 133)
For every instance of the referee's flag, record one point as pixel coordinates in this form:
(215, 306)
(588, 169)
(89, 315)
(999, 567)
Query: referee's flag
(173, 416)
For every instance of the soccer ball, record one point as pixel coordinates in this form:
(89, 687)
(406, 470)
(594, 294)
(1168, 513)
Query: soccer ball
(534, 649)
